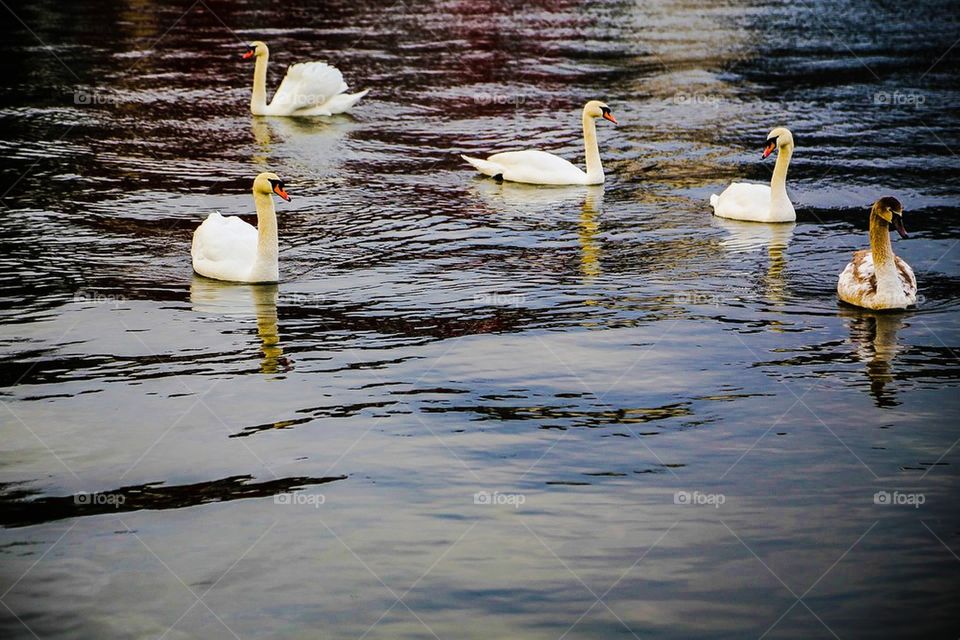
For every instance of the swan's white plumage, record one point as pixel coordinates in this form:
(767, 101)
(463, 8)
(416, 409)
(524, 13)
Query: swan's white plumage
(760, 202)
(224, 248)
(540, 167)
(227, 248)
(752, 203)
(307, 85)
(531, 167)
(308, 89)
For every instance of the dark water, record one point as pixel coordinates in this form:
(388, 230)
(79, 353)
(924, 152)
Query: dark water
(186, 459)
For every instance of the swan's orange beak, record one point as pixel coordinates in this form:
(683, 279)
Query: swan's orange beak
(277, 189)
(249, 54)
(609, 116)
(771, 145)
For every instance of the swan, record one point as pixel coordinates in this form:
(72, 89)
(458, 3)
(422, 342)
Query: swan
(308, 89)
(758, 202)
(540, 167)
(877, 279)
(230, 249)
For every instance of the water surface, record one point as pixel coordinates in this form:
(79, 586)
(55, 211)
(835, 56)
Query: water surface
(184, 458)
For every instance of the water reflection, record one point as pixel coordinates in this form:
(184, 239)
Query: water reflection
(245, 301)
(589, 228)
(748, 237)
(744, 237)
(875, 338)
(527, 198)
(308, 142)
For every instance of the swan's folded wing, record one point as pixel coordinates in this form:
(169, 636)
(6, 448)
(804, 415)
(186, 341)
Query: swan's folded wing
(858, 281)
(308, 85)
(537, 167)
(907, 279)
(532, 159)
(223, 239)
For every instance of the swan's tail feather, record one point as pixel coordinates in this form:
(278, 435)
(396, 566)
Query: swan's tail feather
(343, 102)
(483, 166)
(714, 199)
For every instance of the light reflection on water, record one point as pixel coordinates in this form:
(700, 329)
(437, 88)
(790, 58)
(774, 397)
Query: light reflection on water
(436, 335)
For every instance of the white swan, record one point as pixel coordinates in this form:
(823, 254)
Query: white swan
(878, 279)
(540, 167)
(230, 249)
(308, 89)
(759, 202)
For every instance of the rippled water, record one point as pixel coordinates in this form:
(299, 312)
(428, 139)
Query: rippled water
(313, 459)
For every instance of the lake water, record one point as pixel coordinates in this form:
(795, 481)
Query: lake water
(470, 409)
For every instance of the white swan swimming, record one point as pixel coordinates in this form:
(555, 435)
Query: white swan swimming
(878, 279)
(759, 202)
(308, 89)
(540, 167)
(230, 249)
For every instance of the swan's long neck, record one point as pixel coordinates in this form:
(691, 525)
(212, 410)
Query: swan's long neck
(880, 247)
(592, 151)
(258, 101)
(778, 184)
(268, 251)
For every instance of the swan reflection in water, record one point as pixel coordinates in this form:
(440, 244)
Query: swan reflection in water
(749, 237)
(312, 143)
(589, 229)
(245, 301)
(535, 201)
(874, 336)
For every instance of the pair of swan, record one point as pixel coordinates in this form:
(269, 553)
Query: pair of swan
(876, 278)
(229, 248)
(308, 89)
(739, 201)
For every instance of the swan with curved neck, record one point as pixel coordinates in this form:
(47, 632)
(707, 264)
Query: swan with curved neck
(308, 89)
(759, 202)
(877, 278)
(232, 250)
(540, 167)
